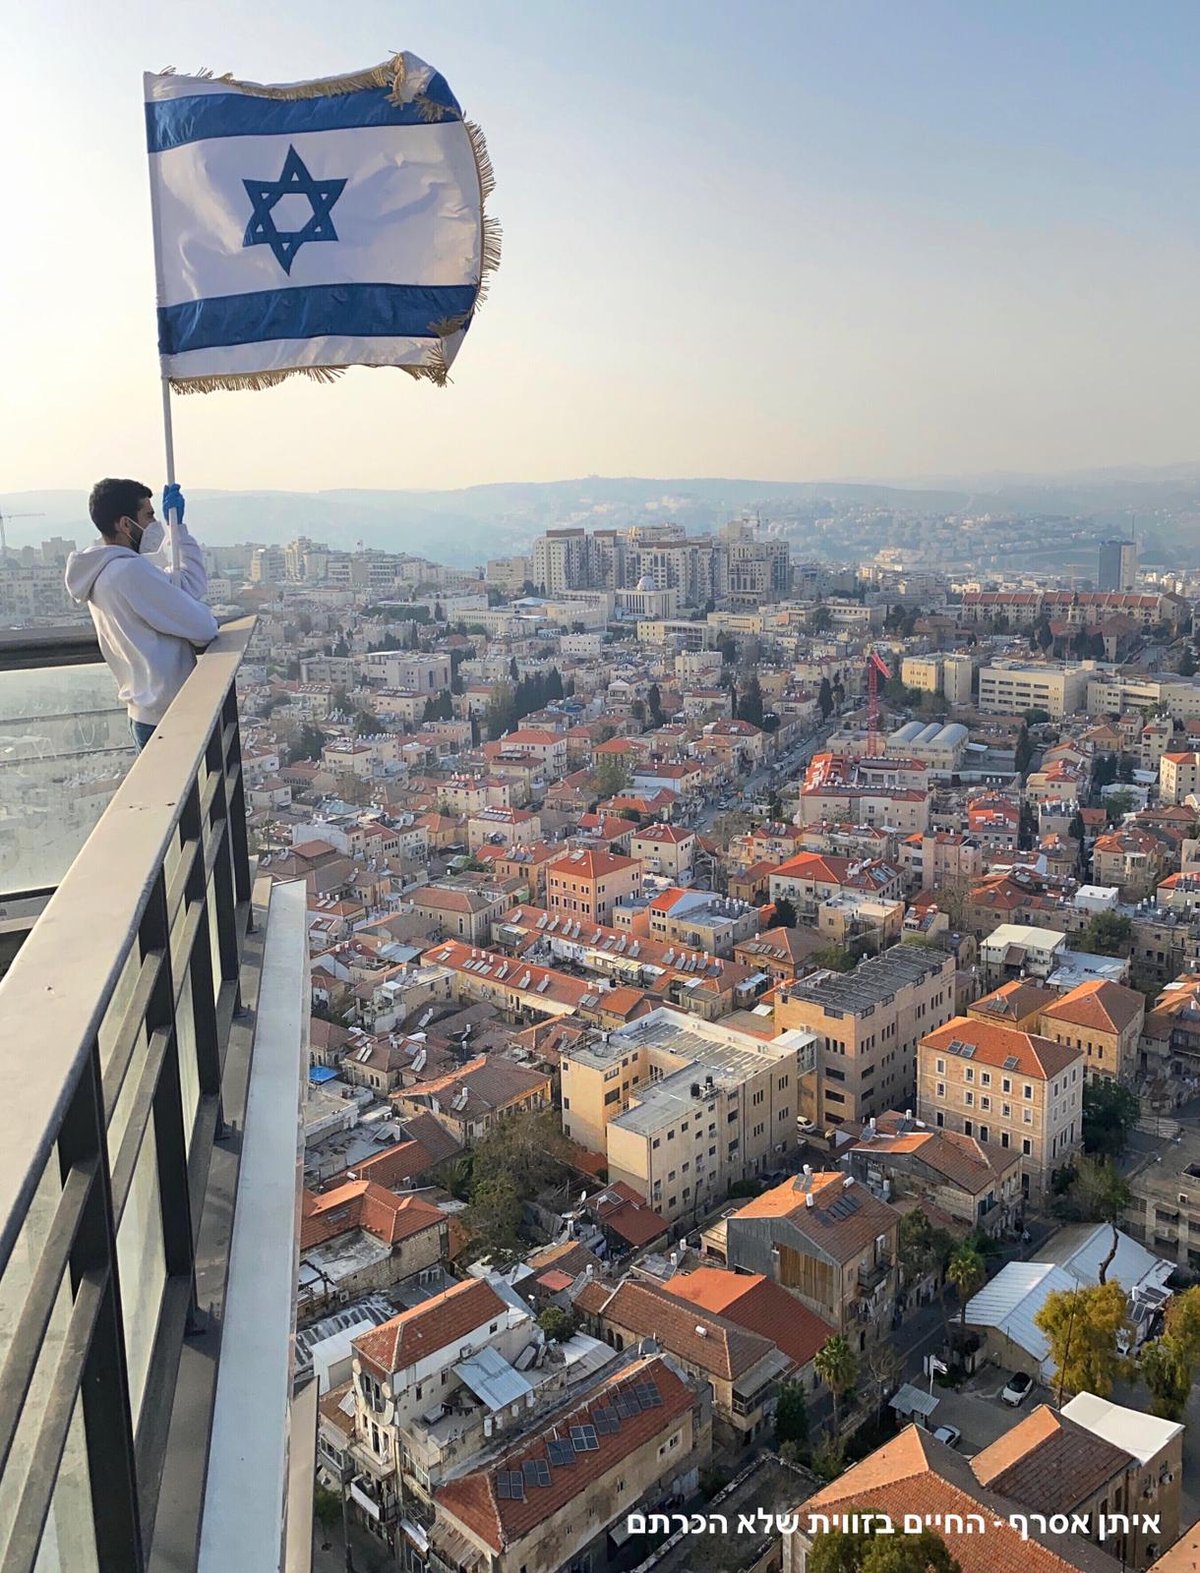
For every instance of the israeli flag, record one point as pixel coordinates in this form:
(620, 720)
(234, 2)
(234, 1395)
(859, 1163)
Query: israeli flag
(309, 227)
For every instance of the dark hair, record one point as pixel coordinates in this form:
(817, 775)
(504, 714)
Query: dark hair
(114, 500)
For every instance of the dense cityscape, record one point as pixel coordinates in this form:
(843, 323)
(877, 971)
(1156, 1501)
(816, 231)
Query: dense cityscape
(754, 1056)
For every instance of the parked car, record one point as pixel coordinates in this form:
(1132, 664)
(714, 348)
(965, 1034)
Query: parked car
(950, 1435)
(805, 1127)
(1018, 1389)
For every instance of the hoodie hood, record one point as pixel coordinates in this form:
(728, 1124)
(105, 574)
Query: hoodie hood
(84, 568)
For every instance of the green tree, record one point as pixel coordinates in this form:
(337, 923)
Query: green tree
(864, 1551)
(1118, 804)
(1187, 662)
(1101, 1191)
(558, 1324)
(1106, 934)
(727, 645)
(1081, 1326)
(1023, 753)
(834, 958)
(825, 699)
(1166, 1374)
(785, 914)
(791, 1415)
(750, 707)
(967, 1271)
(611, 775)
(308, 744)
(654, 705)
(837, 1367)
(1183, 1322)
(1110, 1113)
(492, 1218)
(925, 1250)
(327, 1510)
(820, 620)
(500, 715)
(1037, 717)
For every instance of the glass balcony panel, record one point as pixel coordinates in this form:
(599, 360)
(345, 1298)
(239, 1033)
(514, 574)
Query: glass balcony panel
(14, 1287)
(213, 938)
(141, 1263)
(64, 748)
(69, 1538)
(189, 1075)
(119, 1004)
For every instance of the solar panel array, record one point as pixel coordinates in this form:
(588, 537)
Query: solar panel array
(511, 1484)
(843, 1207)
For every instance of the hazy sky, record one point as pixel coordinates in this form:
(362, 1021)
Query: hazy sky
(784, 240)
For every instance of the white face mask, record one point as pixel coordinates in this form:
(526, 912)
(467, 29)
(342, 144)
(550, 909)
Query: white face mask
(137, 533)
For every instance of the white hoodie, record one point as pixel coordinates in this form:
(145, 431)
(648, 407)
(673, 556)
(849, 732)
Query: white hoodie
(147, 615)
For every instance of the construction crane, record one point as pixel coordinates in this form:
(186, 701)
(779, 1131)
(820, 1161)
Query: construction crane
(4, 519)
(876, 667)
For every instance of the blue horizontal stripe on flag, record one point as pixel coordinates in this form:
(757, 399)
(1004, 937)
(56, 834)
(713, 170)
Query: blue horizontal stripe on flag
(357, 311)
(173, 122)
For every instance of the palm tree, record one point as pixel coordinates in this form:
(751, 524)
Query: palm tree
(837, 1367)
(966, 1271)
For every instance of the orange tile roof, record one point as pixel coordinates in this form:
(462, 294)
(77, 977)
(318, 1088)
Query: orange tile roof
(1035, 1056)
(361, 1204)
(838, 1233)
(713, 1344)
(1050, 1464)
(591, 865)
(1101, 1005)
(914, 1474)
(434, 1324)
(755, 1303)
(501, 1522)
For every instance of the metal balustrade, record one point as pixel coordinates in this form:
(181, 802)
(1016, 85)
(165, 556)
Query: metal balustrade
(123, 1064)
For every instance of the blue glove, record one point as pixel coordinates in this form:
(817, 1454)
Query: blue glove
(172, 501)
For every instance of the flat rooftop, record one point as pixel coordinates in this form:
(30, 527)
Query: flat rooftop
(872, 981)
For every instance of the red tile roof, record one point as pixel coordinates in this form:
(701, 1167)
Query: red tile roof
(434, 1324)
(473, 1500)
(361, 1204)
(755, 1303)
(1035, 1056)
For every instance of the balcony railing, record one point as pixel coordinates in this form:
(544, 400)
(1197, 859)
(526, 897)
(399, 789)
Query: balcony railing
(124, 1034)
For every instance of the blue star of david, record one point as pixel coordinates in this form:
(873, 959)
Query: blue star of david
(295, 181)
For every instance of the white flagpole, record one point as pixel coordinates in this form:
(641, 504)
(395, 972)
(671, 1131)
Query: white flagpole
(169, 441)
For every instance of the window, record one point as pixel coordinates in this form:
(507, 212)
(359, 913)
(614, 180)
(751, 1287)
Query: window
(985, 1078)
(983, 1133)
(968, 1128)
(1004, 1139)
(656, 1141)
(968, 1099)
(969, 1073)
(1027, 1147)
(985, 1102)
(941, 1089)
(939, 1066)
(1028, 1116)
(941, 1118)
(1006, 1084)
(1028, 1090)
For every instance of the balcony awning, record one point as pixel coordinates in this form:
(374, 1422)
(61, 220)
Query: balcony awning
(493, 1381)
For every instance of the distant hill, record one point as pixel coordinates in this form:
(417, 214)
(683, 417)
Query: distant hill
(466, 526)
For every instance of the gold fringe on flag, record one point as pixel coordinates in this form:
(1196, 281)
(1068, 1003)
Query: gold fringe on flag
(392, 74)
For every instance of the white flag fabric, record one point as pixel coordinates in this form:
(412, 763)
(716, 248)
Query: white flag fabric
(313, 226)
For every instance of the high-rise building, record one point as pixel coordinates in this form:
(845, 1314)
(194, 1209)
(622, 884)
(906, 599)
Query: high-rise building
(1118, 565)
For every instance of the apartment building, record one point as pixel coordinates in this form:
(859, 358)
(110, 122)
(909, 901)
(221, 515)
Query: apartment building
(898, 1156)
(430, 1357)
(587, 885)
(681, 1109)
(1017, 1091)
(1178, 776)
(811, 878)
(707, 922)
(1103, 1021)
(508, 827)
(1115, 692)
(867, 1024)
(827, 1241)
(1012, 687)
(744, 1368)
(664, 849)
(408, 674)
(561, 1496)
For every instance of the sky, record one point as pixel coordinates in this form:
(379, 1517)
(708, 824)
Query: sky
(775, 239)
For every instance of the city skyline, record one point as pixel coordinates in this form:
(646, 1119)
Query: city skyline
(960, 234)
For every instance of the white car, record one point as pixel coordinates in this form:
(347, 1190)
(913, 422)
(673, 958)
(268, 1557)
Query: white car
(1018, 1389)
(805, 1127)
(950, 1435)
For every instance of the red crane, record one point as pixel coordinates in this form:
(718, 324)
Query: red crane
(876, 667)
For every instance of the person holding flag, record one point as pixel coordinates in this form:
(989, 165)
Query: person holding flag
(148, 607)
